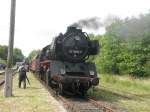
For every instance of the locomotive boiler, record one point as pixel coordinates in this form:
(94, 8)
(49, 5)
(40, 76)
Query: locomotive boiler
(64, 62)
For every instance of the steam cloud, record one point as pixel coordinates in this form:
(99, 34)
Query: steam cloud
(93, 23)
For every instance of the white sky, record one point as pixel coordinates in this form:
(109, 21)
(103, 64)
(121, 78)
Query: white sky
(38, 21)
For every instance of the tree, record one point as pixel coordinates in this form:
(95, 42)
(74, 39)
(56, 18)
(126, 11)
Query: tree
(125, 48)
(17, 55)
(32, 54)
(3, 52)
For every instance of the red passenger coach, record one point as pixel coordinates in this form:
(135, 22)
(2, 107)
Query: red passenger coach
(34, 65)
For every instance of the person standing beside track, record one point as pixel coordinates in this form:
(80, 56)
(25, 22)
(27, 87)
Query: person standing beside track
(22, 76)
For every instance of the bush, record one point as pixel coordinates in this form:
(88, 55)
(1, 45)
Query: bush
(123, 57)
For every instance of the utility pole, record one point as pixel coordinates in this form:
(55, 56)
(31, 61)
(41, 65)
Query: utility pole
(9, 71)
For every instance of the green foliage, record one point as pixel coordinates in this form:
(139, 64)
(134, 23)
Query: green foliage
(3, 52)
(122, 57)
(125, 48)
(2, 61)
(109, 57)
(17, 54)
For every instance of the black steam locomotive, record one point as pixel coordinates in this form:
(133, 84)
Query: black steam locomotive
(63, 63)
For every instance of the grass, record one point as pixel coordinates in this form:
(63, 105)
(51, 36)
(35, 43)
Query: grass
(33, 99)
(124, 92)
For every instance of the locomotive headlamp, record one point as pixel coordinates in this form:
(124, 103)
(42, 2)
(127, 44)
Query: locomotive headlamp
(91, 72)
(62, 71)
(77, 38)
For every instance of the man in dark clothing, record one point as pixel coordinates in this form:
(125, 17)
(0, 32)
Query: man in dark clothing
(22, 76)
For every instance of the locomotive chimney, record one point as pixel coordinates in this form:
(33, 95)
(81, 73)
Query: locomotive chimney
(73, 29)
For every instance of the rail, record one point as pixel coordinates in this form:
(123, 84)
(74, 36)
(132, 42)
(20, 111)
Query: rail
(81, 104)
(2, 81)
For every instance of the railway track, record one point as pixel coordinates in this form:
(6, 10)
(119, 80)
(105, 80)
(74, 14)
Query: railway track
(84, 104)
(2, 77)
(78, 103)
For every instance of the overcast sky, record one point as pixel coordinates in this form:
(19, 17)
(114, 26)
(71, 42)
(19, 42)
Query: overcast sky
(38, 21)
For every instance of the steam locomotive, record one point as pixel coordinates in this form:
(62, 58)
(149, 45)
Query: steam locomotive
(63, 65)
